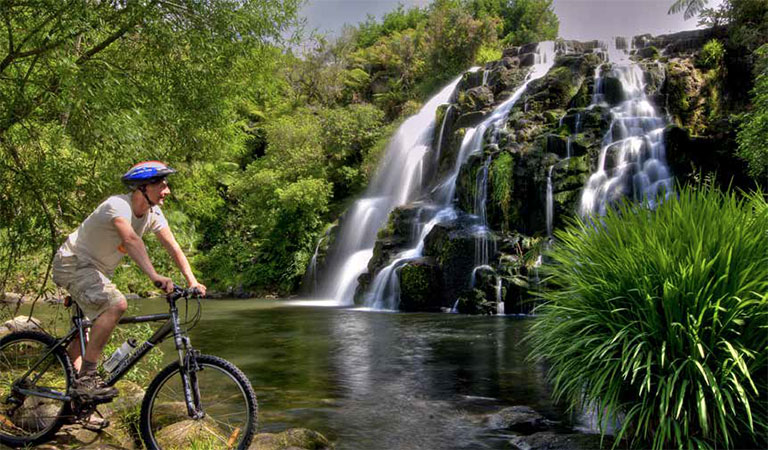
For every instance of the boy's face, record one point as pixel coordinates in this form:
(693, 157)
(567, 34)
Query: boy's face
(158, 191)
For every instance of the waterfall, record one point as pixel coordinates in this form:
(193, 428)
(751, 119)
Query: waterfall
(312, 269)
(550, 202)
(385, 290)
(632, 157)
(499, 300)
(397, 181)
(400, 180)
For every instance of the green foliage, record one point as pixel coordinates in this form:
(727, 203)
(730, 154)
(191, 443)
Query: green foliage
(486, 54)
(689, 8)
(658, 319)
(753, 132)
(501, 177)
(529, 21)
(711, 56)
(88, 88)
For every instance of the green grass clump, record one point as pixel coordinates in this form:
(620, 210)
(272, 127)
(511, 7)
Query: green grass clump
(659, 319)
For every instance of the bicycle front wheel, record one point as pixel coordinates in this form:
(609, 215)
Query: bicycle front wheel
(226, 398)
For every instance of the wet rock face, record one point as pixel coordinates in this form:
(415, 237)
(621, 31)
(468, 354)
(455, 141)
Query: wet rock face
(476, 99)
(451, 245)
(554, 136)
(420, 281)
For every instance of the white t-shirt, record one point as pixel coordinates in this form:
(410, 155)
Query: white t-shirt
(96, 239)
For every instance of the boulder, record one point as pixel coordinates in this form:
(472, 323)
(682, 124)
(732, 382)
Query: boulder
(520, 419)
(469, 119)
(20, 323)
(420, 285)
(452, 245)
(613, 90)
(549, 440)
(294, 438)
(476, 99)
(527, 59)
(11, 297)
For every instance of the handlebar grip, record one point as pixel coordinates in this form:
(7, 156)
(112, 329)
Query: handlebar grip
(158, 284)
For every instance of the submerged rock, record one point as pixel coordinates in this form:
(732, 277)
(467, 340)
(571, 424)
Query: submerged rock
(549, 440)
(521, 419)
(294, 438)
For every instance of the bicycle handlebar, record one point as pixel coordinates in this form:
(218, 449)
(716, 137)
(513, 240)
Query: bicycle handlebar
(178, 291)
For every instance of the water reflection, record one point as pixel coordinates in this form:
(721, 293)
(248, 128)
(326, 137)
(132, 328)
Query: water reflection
(371, 380)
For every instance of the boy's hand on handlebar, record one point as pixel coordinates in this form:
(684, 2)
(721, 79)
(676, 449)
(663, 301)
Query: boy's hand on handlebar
(200, 288)
(164, 283)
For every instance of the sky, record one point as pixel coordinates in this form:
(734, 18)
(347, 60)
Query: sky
(579, 19)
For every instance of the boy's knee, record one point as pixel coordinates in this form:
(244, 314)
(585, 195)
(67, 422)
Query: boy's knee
(119, 307)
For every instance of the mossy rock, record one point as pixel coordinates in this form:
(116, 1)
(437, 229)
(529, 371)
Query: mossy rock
(474, 301)
(650, 52)
(476, 99)
(420, 286)
(613, 90)
(684, 94)
(294, 438)
(452, 245)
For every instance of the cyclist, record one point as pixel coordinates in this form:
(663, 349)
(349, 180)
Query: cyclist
(86, 261)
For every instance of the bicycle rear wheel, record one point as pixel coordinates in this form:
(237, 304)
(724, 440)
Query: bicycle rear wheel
(30, 420)
(226, 397)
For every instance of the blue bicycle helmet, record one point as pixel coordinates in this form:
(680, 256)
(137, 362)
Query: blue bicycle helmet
(146, 172)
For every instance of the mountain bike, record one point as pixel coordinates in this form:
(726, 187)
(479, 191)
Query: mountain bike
(205, 399)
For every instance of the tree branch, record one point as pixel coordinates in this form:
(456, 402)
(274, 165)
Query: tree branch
(113, 37)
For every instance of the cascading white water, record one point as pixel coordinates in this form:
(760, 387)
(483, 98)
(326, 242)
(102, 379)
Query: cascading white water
(550, 206)
(397, 181)
(384, 292)
(632, 158)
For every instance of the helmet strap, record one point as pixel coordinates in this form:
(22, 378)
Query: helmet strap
(143, 190)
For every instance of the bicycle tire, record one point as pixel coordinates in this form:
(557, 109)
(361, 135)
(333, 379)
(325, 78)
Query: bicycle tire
(145, 427)
(63, 358)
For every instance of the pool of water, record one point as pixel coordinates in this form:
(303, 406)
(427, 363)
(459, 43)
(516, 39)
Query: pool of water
(373, 380)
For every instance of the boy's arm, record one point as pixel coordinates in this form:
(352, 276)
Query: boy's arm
(135, 248)
(165, 235)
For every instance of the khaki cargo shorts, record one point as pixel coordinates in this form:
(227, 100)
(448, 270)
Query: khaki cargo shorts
(91, 289)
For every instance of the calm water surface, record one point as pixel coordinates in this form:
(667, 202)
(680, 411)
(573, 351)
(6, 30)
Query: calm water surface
(373, 380)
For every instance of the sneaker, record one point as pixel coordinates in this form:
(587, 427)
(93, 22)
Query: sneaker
(91, 387)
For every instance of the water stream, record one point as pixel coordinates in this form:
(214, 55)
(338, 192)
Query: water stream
(384, 291)
(398, 180)
(632, 161)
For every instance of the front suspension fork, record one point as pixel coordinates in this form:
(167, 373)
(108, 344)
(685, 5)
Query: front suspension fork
(189, 368)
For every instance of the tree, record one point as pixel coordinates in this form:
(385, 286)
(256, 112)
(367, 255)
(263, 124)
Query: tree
(87, 87)
(689, 8)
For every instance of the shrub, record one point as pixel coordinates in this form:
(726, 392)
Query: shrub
(658, 318)
(711, 55)
(753, 132)
(486, 54)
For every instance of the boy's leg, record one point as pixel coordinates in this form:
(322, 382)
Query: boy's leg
(100, 331)
(74, 353)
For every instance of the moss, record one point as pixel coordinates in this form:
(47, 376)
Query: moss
(502, 185)
(415, 281)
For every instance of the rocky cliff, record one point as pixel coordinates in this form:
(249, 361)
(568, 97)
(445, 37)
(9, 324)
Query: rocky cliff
(530, 181)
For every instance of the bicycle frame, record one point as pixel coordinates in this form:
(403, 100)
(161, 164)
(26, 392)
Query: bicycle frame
(187, 361)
